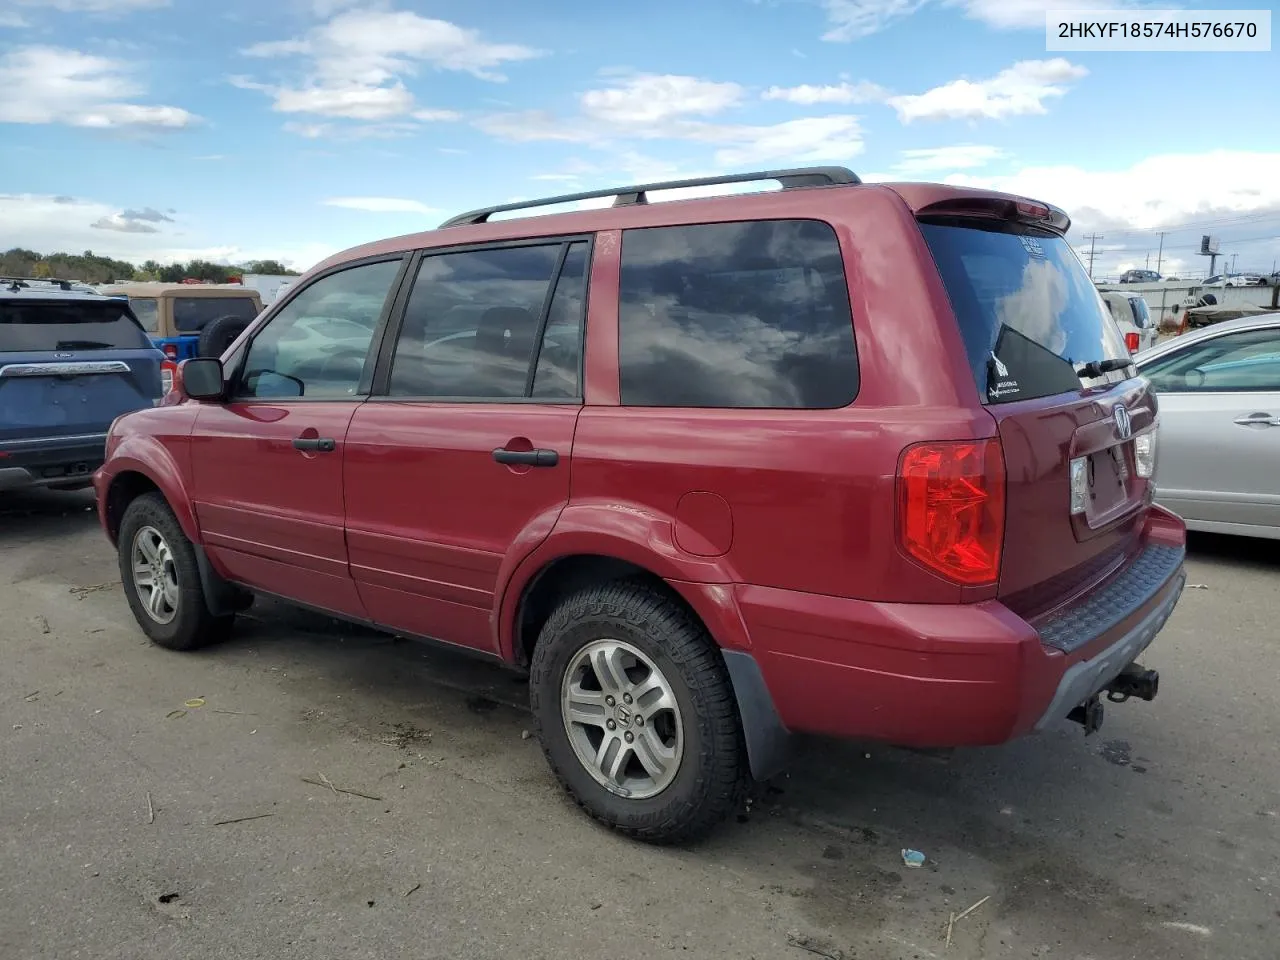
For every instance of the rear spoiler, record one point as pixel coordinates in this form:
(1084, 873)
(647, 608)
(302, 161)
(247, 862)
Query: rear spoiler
(1000, 208)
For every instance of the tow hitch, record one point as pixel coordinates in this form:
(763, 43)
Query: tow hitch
(1088, 715)
(1134, 681)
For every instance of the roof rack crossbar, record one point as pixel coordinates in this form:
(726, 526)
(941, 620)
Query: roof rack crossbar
(627, 196)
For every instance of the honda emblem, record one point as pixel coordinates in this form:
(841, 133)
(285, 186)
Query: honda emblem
(1124, 426)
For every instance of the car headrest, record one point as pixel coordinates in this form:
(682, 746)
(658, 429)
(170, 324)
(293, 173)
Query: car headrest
(506, 331)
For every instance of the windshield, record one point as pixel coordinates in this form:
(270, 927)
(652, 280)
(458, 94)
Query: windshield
(32, 326)
(1028, 312)
(190, 314)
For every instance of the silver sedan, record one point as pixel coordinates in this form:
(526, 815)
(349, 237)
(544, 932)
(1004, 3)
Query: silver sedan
(1218, 454)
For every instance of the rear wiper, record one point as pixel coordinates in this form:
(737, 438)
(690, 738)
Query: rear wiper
(1096, 368)
(82, 345)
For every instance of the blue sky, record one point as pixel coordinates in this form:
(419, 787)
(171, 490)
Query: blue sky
(294, 128)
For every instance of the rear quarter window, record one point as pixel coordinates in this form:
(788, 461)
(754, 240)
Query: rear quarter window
(1028, 312)
(745, 315)
(190, 314)
(147, 310)
(33, 326)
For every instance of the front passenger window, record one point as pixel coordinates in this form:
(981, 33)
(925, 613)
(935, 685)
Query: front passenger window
(318, 344)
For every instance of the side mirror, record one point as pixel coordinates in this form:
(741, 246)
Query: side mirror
(200, 378)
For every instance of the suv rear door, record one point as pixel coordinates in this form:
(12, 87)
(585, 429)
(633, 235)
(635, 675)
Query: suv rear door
(69, 366)
(1032, 322)
(464, 448)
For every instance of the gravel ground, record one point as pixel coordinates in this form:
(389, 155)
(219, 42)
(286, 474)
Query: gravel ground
(1158, 837)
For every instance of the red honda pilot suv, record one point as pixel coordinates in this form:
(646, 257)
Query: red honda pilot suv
(862, 460)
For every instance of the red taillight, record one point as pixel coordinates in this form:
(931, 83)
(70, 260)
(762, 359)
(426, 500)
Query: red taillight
(951, 508)
(171, 351)
(167, 368)
(1131, 341)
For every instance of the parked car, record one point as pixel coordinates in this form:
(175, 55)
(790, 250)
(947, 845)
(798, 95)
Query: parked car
(1219, 393)
(1140, 276)
(1234, 280)
(189, 320)
(851, 459)
(71, 361)
(1133, 317)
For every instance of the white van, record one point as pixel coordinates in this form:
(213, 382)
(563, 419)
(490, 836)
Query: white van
(1134, 317)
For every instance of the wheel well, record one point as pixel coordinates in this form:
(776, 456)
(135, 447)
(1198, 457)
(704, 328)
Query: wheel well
(124, 489)
(567, 576)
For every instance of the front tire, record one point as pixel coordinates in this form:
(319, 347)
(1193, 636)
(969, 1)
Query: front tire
(161, 579)
(634, 709)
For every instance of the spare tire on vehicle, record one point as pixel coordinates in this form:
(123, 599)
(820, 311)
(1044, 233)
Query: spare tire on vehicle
(219, 334)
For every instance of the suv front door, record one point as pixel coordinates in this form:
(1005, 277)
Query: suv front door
(464, 448)
(267, 463)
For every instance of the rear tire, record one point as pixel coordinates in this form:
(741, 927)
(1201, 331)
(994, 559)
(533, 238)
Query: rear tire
(682, 769)
(161, 578)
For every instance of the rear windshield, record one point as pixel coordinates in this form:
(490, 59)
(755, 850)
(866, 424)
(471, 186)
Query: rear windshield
(190, 314)
(38, 325)
(1028, 312)
(1141, 313)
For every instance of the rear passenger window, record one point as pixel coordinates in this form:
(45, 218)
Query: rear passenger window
(471, 325)
(740, 315)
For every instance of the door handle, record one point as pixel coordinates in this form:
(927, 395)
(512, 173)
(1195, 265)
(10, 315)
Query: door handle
(528, 458)
(315, 444)
(1258, 420)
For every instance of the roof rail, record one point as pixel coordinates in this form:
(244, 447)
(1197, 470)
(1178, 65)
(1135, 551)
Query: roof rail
(790, 179)
(17, 283)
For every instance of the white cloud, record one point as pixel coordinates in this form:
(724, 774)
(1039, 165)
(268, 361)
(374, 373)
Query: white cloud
(1130, 205)
(853, 19)
(123, 224)
(40, 84)
(656, 98)
(680, 108)
(381, 205)
(1020, 89)
(13, 20)
(809, 94)
(806, 140)
(357, 62)
(958, 157)
(1154, 192)
(1029, 14)
(311, 131)
(52, 224)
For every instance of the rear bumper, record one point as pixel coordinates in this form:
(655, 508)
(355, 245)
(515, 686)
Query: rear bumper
(45, 462)
(955, 675)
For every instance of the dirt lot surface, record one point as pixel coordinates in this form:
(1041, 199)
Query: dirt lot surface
(1158, 837)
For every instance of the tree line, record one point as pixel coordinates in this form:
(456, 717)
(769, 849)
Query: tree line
(91, 268)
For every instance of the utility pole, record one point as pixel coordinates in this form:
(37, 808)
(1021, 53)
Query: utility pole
(1160, 255)
(1148, 259)
(1233, 262)
(1093, 239)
